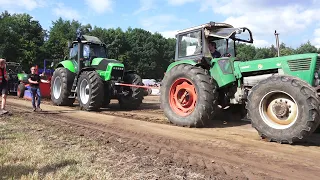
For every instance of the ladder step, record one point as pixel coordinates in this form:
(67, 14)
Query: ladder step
(72, 97)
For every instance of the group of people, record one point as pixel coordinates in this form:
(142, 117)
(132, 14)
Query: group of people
(34, 80)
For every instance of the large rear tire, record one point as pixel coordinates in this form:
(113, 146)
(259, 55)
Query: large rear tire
(188, 96)
(284, 109)
(61, 84)
(133, 99)
(90, 91)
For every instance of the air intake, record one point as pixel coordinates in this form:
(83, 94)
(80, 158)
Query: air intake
(318, 64)
(299, 64)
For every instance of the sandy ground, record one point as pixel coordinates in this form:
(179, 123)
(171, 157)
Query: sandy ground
(228, 149)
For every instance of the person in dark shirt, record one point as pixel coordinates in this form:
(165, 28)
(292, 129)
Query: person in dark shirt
(213, 50)
(34, 81)
(3, 84)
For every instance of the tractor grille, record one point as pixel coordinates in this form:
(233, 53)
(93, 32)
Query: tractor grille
(117, 73)
(299, 64)
(318, 63)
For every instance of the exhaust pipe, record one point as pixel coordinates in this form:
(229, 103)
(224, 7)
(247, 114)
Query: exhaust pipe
(277, 42)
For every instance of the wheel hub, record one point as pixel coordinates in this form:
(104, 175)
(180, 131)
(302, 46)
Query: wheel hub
(84, 91)
(183, 97)
(57, 87)
(280, 109)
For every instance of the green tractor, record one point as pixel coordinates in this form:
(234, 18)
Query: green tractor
(279, 95)
(93, 79)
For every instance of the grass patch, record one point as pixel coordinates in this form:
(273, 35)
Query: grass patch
(35, 148)
(32, 151)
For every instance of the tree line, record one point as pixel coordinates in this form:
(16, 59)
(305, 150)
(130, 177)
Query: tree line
(24, 40)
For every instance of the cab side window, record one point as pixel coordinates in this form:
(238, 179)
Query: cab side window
(74, 52)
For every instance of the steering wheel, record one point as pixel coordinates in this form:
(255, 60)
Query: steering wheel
(226, 55)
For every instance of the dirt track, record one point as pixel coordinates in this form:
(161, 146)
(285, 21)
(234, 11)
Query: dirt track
(228, 150)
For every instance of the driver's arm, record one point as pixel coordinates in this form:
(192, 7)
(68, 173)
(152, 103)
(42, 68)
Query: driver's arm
(219, 54)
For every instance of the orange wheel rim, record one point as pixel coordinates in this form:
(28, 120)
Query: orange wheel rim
(182, 97)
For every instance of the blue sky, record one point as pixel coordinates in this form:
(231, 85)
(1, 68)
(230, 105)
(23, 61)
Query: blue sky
(296, 21)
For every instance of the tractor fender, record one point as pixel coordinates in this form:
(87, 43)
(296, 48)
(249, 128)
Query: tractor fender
(68, 64)
(85, 69)
(188, 61)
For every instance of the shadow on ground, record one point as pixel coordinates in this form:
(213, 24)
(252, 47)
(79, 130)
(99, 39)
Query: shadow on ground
(16, 171)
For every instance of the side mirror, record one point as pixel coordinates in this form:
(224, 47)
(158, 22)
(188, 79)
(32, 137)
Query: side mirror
(69, 44)
(52, 64)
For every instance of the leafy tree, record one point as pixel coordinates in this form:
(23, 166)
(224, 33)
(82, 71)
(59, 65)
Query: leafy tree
(306, 48)
(245, 52)
(22, 39)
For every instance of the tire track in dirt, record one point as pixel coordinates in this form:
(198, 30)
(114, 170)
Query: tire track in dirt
(147, 112)
(208, 158)
(167, 149)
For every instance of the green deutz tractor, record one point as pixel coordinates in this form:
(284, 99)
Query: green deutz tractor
(280, 94)
(93, 79)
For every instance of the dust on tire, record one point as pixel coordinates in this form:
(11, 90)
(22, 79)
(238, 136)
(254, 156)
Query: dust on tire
(96, 90)
(205, 86)
(66, 78)
(307, 100)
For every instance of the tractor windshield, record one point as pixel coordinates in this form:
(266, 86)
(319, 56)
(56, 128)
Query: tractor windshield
(225, 46)
(94, 50)
(190, 44)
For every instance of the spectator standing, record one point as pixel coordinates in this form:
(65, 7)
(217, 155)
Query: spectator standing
(3, 84)
(34, 80)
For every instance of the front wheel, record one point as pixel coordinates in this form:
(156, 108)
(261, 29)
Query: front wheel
(61, 84)
(90, 91)
(283, 109)
(188, 96)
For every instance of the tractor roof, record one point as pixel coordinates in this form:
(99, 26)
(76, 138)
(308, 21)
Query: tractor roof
(207, 25)
(90, 39)
(221, 31)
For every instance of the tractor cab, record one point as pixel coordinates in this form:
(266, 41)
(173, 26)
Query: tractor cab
(194, 42)
(91, 47)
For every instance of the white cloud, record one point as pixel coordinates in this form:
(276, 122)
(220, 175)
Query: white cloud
(169, 34)
(145, 5)
(22, 4)
(179, 2)
(264, 17)
(316, 39)
(161, 22)
(66, 12)
(100, 6)
(261, 43)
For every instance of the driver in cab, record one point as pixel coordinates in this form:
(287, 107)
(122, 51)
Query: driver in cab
(213, 50)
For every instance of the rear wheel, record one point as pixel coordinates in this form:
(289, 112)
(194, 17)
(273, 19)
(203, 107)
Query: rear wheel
(134, 96)
(283, 109)
(90, 91)
(188, 96)
(61, 84)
